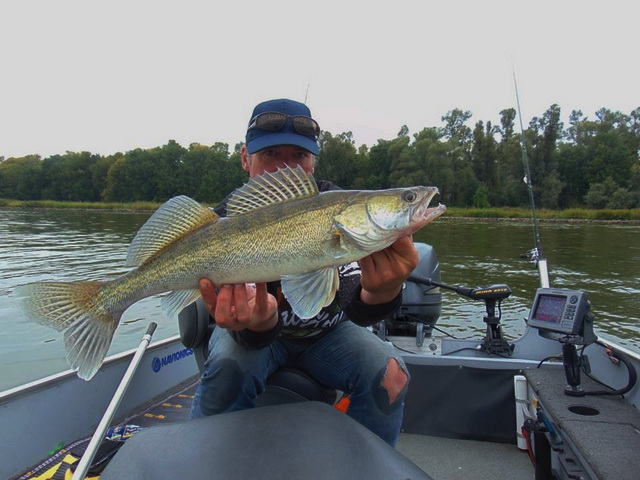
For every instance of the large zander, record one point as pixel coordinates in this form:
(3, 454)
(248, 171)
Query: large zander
(279, 227)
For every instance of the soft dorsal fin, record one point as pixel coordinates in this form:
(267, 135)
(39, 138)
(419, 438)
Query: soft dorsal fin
(173, 220)
(270, 188)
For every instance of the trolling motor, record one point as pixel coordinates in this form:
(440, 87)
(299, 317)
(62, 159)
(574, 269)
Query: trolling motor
(492, 296)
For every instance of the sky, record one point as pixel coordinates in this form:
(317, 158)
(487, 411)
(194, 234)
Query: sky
(112, 76)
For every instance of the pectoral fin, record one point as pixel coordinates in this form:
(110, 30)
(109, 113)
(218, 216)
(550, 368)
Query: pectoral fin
(308, 293)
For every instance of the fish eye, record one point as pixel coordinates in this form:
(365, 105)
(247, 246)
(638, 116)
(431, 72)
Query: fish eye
(409, 196)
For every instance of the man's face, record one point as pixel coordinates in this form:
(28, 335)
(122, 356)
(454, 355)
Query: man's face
(272, 158)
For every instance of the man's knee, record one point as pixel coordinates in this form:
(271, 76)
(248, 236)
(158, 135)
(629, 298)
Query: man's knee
(395, 380)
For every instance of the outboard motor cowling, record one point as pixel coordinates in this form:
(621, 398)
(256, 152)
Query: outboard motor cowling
(421, 305)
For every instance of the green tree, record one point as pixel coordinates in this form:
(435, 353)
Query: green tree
(507, 120)
(382, 156)
(623, 199)
(575, 119)
(168, 161)
(21, 178)
(599, 193)
(220, 173)
(481, 197)
(455, 127)
(434, 160)
(608, 155)
(571, 169)
(117, 183)
(69, 177)
(484, 156)
(510, 190)
(338, 160)
(551, 188)
(100, 172)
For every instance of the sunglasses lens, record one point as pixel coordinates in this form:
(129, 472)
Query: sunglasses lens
(306, 126)
(271, 121)
(276, 121)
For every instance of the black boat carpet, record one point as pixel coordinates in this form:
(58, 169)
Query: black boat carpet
(62, 462)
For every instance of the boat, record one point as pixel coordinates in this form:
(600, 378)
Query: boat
(488, 407)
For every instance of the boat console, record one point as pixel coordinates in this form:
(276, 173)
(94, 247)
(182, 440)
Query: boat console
(579, 430)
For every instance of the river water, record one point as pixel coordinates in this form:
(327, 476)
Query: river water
(603, 260)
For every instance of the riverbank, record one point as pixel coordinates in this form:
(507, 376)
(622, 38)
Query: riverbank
(54, 204)
(506, 214)
(572, 215)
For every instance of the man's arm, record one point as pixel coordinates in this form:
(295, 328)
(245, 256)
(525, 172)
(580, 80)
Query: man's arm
(384, 272)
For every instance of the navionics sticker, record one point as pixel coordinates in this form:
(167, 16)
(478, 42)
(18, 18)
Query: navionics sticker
(158, 363)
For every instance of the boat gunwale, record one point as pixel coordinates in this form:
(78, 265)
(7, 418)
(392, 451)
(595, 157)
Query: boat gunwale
(13, 393)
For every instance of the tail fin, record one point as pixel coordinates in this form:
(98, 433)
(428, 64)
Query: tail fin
(74, 308)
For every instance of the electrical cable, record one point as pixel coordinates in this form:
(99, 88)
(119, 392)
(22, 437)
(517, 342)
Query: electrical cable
(474, 350)
(415, 318)
(633, 378)
(556, 357)
(527, 438)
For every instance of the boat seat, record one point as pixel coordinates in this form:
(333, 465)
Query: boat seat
(291, 385)
(294, 441)
(195, 325)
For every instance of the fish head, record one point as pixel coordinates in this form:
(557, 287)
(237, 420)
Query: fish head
(375, 219)
(403, 210)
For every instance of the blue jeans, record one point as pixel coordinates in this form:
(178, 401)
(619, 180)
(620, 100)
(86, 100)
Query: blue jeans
(349, 358)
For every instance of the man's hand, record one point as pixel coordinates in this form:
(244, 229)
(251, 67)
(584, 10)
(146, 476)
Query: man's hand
(384, 272)
(241, 306)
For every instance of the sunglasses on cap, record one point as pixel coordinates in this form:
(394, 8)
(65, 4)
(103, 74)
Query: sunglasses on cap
(274, 121)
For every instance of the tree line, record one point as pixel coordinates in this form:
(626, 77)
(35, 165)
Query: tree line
(592, 162)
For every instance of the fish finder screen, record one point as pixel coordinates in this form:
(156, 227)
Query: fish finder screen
(549, 309)
(561, 310)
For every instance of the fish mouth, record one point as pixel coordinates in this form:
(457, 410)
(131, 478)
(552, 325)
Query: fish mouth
(422, 214)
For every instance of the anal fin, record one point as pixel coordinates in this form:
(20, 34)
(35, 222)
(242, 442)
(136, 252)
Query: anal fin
(176, 301)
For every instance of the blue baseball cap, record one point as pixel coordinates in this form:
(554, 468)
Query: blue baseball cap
(258, 139)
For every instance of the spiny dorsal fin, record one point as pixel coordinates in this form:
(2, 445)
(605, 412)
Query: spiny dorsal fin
(173, 220)
(271, 188)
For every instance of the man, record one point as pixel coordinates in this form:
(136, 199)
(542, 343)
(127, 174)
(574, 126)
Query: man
(257, 332)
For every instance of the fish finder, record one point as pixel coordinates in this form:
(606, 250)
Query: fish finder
(561, 311)
(563, 315)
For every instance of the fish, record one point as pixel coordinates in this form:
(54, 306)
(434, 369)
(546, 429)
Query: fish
(278, 227)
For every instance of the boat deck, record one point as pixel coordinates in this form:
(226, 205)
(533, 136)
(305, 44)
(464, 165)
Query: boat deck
(454, 459)
(441, 458)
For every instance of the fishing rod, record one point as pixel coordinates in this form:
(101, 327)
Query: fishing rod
(306, 95)
(85, 462)
(535, 255)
